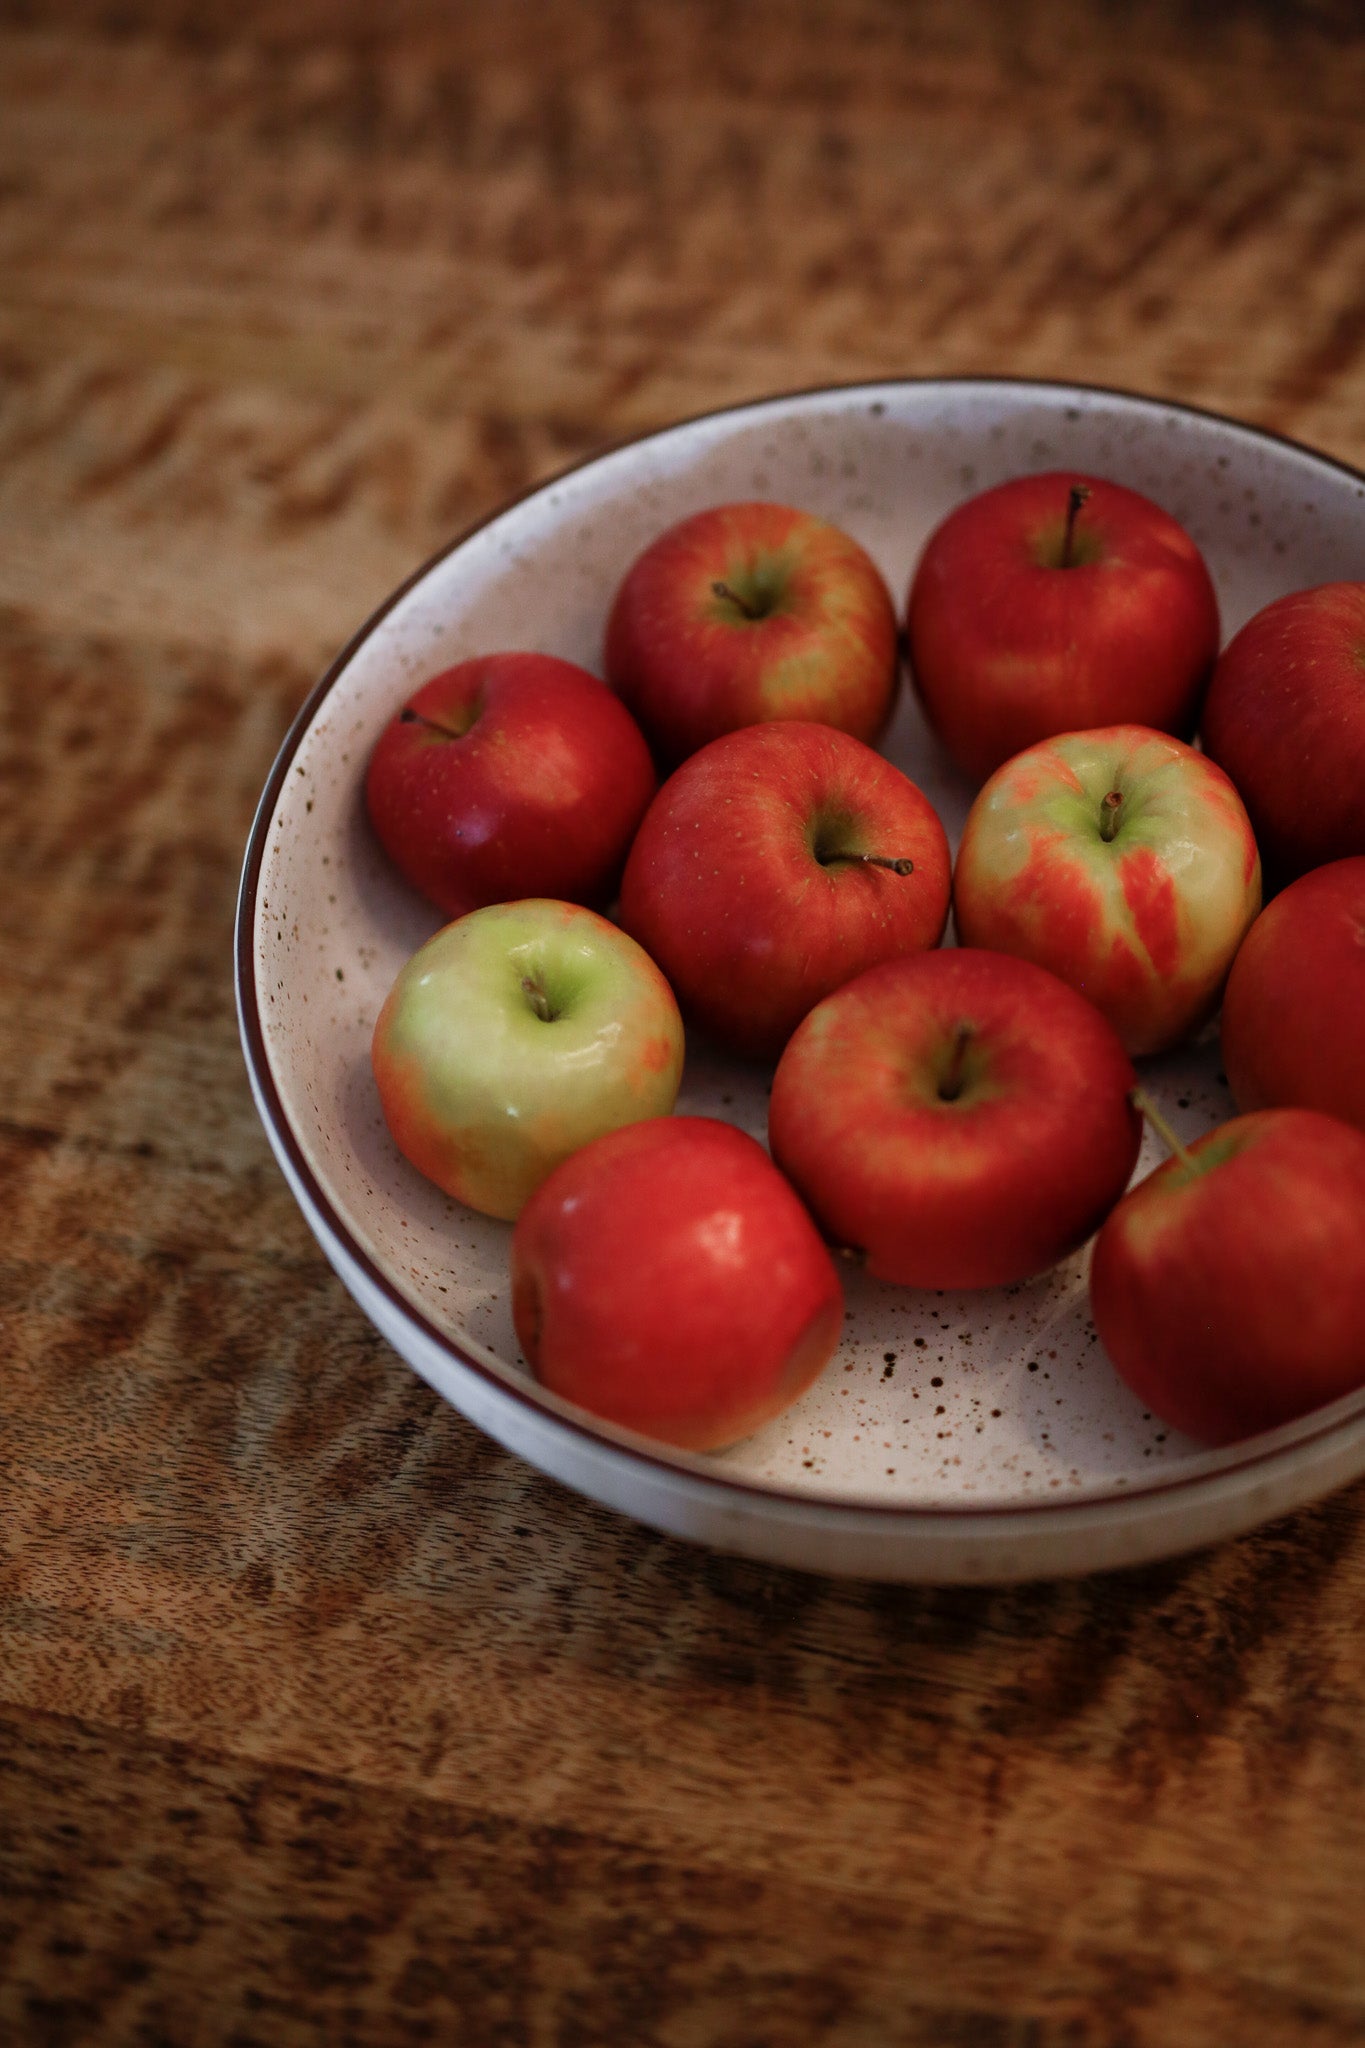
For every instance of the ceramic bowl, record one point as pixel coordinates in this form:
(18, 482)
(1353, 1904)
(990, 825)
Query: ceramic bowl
(953, 1437)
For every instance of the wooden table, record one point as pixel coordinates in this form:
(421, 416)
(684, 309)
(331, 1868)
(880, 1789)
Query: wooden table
(322, 1720)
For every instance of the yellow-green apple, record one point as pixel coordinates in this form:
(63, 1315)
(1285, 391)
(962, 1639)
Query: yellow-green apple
(962, 1118)
(507, 776)
(1122, 860)
(1293, 1023)
(668, 1279)
(514, 1036)
(1052, 603)
(1229, 1287)
(776, 863)
(749, 612)
(1285, 715)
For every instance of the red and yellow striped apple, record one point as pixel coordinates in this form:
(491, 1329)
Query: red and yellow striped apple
(1123, 861)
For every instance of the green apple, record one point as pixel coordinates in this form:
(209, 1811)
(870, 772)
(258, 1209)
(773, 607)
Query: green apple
(514, 1036)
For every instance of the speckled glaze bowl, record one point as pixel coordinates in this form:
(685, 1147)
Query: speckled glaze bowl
(972, 1437)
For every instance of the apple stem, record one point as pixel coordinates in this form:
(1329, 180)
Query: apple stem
(1076, 498)
(407, 716)
(1144, 1105)
(537, 998)
(734, 598)
(1109, 814)
(881, 860)
(950, 1087)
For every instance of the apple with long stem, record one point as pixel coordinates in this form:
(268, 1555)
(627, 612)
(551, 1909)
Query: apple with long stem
(776, 863)
(1285, 715)
(668, 1279)
(507, 776)
(1053, 603)
(1122, 860)
(514, 1036)
(960, 1118)
(1228, 1288)
(749, 612)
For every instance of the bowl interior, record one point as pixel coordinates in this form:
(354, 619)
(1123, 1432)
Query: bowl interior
(996, 1398)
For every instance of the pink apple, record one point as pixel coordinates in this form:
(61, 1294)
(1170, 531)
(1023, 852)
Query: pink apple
(773, 865)
(514, 1036)
(508, 776)
(1293, 1024)
(960, 1117)
(1122, 860)
(1285, 715)
(1053, 603)
(750, 612)
(1229, 1287)
(668, 1279)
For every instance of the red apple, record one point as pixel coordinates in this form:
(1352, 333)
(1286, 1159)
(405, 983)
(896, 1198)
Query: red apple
(668, 1279)
(961, 1117)
(508, 776)
(1053, 603)
(1123, 861)
(746, 613)
(1229, 1287)
(773, 865)
(1285, 715)
(1293, 1025)
(514, 1036)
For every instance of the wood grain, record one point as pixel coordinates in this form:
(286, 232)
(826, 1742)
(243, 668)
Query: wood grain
(321, 1719)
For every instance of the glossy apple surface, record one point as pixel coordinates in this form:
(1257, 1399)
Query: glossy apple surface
(750, 883)
(668, 1279)
(514, 1036)
(1285, 715)
(1015, 636)
(960, 1117)
(1293, 1023)
(1123, 861)
(750, 612)
(1229, 1287)
(509, 776)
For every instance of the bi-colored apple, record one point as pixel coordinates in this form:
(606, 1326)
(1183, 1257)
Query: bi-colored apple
(962, 1118)
(1229, 1287)
(749, 612)
(668, 1279)
(1293, 1023)
(514, 1036)
(1056, 602)
(776, 863)
(1122, 860)
(1285, 715)
(509, 776)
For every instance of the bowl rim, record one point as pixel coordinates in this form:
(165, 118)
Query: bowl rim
(1210, 1469)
